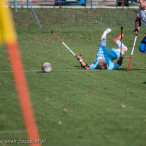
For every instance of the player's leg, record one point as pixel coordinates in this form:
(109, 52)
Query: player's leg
(119, 44)
(102, 47)
(124, 48)
(103, 38)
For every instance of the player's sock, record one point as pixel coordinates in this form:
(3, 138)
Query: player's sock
(108, 30)
(118, 42)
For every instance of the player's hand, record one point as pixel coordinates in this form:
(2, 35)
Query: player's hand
(120, 60)
(121, 56)
(135, 31)
(79, 56)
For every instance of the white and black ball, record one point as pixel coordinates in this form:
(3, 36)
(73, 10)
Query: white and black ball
(46, 67)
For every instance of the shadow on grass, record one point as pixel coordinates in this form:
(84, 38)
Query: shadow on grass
(125, 69)
(40, 72)
(78, 67)
(119, 69)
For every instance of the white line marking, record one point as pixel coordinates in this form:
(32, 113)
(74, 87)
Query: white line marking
(6, 71)
(73, 70)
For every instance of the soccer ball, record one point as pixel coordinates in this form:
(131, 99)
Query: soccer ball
(46, 67)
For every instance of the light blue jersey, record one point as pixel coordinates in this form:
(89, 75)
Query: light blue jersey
(108, 56)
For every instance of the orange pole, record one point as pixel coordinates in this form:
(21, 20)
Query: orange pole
(9, 37)
(23, 93)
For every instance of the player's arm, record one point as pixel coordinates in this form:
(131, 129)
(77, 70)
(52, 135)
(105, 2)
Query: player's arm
(138, 24)
(83, 64)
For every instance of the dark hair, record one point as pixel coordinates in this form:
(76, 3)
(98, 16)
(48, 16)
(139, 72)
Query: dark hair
(102, 65)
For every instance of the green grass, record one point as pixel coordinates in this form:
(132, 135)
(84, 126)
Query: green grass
(88, 103)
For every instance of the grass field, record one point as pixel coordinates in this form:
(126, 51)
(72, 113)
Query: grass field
(73, 106)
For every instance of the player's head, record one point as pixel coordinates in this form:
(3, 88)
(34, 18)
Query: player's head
(142, 4)
(102, 65)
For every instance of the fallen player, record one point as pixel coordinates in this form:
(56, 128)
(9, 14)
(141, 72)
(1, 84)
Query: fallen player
(104, 59)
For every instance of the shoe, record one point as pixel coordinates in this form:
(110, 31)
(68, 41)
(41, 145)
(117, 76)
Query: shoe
(108, 30)
(118, 38)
